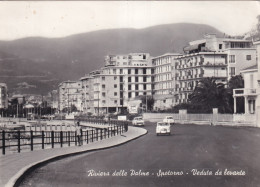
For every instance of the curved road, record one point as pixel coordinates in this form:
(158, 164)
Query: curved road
(190, 157)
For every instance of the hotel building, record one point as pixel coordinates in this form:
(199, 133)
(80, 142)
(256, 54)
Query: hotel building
(220, 58)
(164, 89)
(70, 94)
(3, 96)
(122, 79)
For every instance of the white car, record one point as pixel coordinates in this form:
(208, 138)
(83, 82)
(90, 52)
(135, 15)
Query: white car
(169, 119)
(138, 121)
(163, 128)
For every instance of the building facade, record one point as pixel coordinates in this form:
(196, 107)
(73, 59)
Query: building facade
(122, 78)
(3, 96)
(249, 93)
(240, 53)
(164, 89)
(220, 58)
(191, 68)
(70, 95)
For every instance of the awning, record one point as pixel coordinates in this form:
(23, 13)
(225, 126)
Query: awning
(191, 47)
(29, 106)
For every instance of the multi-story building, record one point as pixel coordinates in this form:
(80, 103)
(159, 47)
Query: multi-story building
(220, 58)
(3, 96)
(191, 68)
(123, 78)
(69, 95)
(240, 53)
(164, 89)
(87, 94)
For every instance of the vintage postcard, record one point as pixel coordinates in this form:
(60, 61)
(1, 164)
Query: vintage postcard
(130, 93)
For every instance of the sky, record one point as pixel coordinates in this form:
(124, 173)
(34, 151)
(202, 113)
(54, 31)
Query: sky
(59, 19)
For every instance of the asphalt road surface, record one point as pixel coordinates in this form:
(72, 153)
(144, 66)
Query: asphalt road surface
(193, 156)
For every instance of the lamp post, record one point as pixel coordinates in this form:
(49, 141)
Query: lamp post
(146, 103)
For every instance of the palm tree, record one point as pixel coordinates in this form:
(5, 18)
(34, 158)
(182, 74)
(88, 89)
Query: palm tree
(208, 94)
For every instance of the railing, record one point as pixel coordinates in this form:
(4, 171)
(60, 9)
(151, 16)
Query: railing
(18, 140)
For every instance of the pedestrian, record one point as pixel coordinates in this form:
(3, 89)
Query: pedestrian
(78, 133)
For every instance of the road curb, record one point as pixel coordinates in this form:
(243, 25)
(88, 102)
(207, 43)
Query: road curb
(20, 175)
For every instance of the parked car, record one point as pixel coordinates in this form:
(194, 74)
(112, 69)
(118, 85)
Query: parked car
(169, 119)
(163, 128)
(138, 121)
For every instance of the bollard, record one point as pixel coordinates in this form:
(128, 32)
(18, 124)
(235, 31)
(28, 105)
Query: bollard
(52, 139)
(19, 143)
(69, 138)
(75, 135)
(42, 139)
(3, 142)
(31, 140)
(87, 136)
(61, 138)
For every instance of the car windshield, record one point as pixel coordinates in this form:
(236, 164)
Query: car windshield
(169, 117)
(138, 119)
(163, 124)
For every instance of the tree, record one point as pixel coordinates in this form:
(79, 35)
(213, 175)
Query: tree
(73, 108)
(150, 101)
(236, 82)
(254, 33)
(208, 94)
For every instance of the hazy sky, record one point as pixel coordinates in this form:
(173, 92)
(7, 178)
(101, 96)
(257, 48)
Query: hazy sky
(58, 19)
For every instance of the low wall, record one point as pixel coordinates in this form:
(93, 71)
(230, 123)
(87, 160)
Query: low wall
(204, 119)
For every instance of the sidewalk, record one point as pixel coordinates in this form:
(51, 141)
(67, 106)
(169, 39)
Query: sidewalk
(12, 167)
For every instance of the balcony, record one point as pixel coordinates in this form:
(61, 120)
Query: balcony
(244, 92)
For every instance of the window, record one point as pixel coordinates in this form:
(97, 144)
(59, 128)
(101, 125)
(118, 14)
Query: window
(129, 71)
(137, 93)
(232, 71)
(129, 95)
(136, 87)
(129, 79)
(232, 59)
(121, 71)
(129, 87)
(136, 79)
(115, 93)
(144, 86)
(115, 101)
(103, 101)
(144, 79)
(115, 85)
(103, 86)
(103, 78)
(114, 71)
(248, 57)
(220, 46)
(144, 71)
(115, 77)
(103, 94)
(136, 71)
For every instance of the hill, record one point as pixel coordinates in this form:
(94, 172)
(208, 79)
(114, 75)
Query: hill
(42, 63)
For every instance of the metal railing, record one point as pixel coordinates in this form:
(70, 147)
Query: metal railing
(18, 140)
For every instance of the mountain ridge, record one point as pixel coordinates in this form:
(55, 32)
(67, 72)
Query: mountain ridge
(71, 57)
